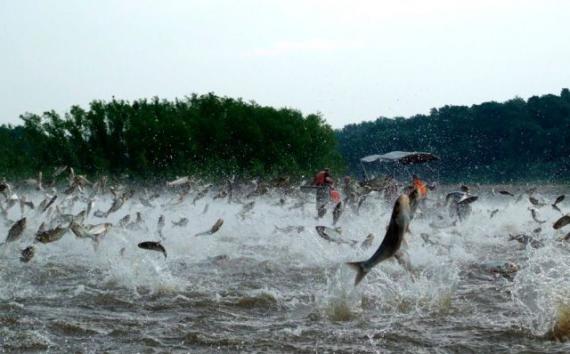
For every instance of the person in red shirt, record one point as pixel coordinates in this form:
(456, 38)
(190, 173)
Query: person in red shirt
(323, 180)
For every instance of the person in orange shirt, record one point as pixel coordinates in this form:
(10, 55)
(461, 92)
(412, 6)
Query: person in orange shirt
(420, 186)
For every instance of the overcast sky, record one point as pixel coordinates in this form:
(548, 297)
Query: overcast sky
(350, 60)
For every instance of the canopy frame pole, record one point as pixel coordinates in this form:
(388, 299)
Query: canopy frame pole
(365, 172)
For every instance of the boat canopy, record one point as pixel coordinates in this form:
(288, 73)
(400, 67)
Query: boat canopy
(402, 157)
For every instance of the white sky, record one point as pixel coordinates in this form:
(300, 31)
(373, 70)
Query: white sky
(350, 60)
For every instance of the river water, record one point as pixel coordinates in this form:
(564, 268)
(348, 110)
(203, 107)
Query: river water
(252, 288)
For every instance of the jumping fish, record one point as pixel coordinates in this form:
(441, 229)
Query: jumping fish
(180, 223)
(563, 221)
(178, 182)
(213, 229)
(467, 199)
(221, 194)
(498, 268)
(16, 230)
(390, 246)
(526, 239)
(80, 232)
(161, 222)
(58, 171)
(99, 229)
(246, 208)
(288, 229)
(559, 199)
(152, 246)
(27, 254)
(333, 235)
(536, 202)
(79, 217)
(360, 202)
(337, 212)
(534, 213)
(5, 189)
(201, 194)
(125, 220)
(117, 204)
(51, 235)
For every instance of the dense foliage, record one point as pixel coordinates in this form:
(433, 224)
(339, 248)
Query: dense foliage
(496, 142)
(207, 135)
(213, 136)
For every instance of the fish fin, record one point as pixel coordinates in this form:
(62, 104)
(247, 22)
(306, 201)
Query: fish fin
(361, 272)
(404, 259)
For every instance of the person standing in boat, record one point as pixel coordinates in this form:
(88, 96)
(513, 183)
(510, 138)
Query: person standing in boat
(324, 181)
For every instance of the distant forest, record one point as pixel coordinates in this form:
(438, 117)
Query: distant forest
(514, 141)
(216, 137)
(206, 136)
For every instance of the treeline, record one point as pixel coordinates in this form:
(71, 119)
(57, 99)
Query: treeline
(513, 141)
(217, 137)
(207, 136)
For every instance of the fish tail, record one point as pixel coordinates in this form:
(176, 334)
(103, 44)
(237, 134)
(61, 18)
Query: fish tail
(360, 271)
(96, 244)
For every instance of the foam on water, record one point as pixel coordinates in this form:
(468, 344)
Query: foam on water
(250, 287)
